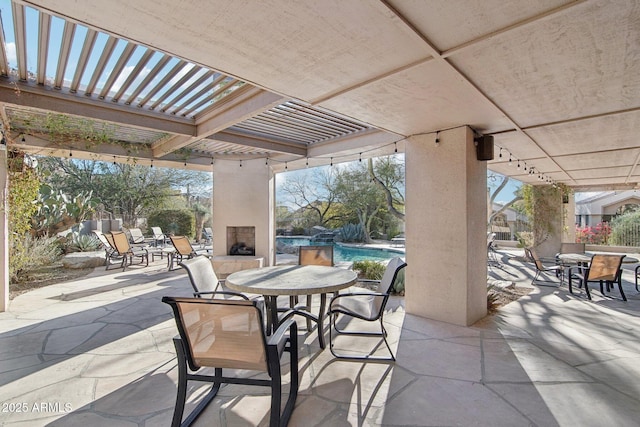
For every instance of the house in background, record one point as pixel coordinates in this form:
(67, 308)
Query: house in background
(604, 206)
(508, 223)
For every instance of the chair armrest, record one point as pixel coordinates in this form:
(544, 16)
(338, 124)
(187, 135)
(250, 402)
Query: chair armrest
(356, 294)
(278, 339)
(367, 281)
(235, 294)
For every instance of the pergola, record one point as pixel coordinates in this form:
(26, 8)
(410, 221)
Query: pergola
(291, 84)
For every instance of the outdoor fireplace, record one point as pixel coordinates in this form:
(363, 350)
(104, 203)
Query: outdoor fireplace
(241, 241)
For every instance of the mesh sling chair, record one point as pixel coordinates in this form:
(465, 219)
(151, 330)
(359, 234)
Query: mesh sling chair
(124, 249)
(541, 268)
(226, 333)
(367, 306)
(604, 269)
(184, 250)
(205, 282)
(109, 247)
(313, 255)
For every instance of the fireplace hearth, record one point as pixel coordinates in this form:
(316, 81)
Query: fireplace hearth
(241, 241)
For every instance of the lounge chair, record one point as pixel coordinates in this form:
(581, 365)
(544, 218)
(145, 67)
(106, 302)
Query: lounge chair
(208, 235)
(109, 248)
(604, 269)
(125, 250)
(136, 237)
(229, 334)
(184, 250)
(367, 306)
(158, 236)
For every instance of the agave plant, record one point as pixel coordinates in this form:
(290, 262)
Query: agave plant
(352, 233)
(82, 243)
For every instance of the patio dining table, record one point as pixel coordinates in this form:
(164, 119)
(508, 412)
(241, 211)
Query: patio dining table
(293, 280)
(585, 259)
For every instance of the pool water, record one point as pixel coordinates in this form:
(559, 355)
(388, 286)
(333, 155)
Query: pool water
(342, 253)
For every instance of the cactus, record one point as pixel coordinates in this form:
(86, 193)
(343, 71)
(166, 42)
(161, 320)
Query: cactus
(352, 233)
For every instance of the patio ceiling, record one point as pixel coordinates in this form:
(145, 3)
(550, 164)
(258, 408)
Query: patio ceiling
(556, 82)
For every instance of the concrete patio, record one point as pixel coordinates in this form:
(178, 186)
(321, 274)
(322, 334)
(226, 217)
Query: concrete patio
(98, 352)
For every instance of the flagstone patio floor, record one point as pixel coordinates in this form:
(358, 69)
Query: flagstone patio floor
(98, 352)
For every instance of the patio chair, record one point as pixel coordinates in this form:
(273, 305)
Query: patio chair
(637, 277)
(542, 269)
(604, 269)
(125, 250)
(201, 275)
(158, 236)
(204, 280)
(221, 334)
(109, 247)
(313, 255)
(183, 250)
(367, 306)
(135, 236)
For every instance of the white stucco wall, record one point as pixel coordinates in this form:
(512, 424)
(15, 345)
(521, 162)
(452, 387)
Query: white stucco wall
(242, 197)
(446, 215)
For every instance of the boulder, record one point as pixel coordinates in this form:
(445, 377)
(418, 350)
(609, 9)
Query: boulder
(84, 259)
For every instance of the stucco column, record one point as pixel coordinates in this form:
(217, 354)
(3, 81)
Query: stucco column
(446, 225)
(242, 198)
(4, 229)
(569, 218)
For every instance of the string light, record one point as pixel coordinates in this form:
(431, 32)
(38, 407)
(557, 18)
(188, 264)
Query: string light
(152, 163)
(23, 139)
(396, 147)
(286, 166)
(307, 162)
(510, 162)
(332, 161)
(438, 139)
(70, 153)
(360, 158)
(240, 163)
(518, 164)
(114, 160)
(500, 155)
(212, 161)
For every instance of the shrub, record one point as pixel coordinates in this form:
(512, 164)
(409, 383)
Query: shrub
(625, 230)
(31, 253)
(597, 235)
(374, 270)
(178, 222)
(368, 269)
(77, 242)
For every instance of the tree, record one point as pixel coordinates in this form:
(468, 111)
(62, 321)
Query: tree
(492, 196)
(314, 193)
(388, 175)
(357, 192)
(131, 190)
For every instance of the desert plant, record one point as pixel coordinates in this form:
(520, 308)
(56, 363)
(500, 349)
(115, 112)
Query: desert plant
(353, 233)
(58, 211)
(29, 253)
(77, 242)
(368, 269)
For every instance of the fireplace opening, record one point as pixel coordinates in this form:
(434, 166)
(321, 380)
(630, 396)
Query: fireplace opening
(241, 241)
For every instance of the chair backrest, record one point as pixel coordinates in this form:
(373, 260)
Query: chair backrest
(386, 283)
(572, 248)
(533, 256)
(220, 333)
(120, 242)
(208, 231)
(201, 274)
(604, 267)
(182, 245)
(157, 233)
(316, 255)
(101, 236)
(136, 235)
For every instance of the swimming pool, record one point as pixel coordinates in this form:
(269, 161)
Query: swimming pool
(343, 253)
